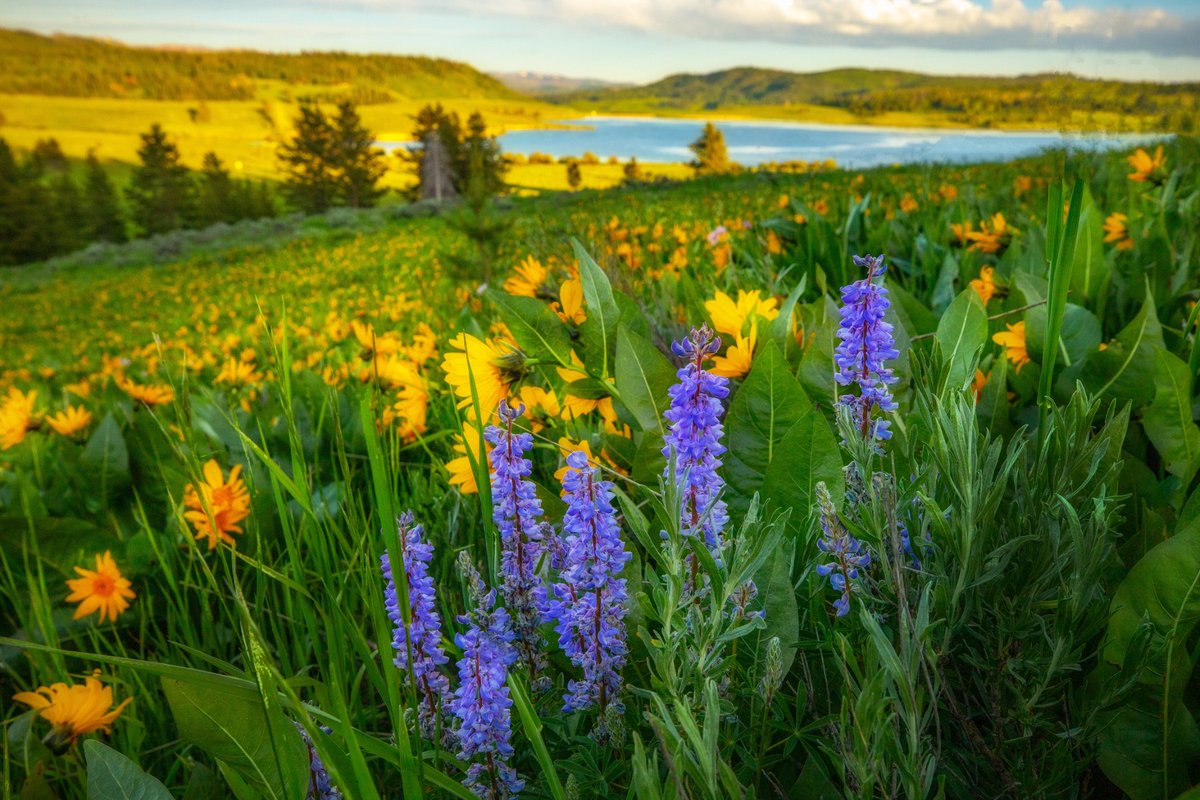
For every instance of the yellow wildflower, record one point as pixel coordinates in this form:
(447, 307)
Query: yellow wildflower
(1115, 231)
(1013, 342)
(217, 505)
(103, 589)
(984, 285)
(73, 710)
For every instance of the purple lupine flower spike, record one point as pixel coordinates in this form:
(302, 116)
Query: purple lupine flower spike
(847, 554)
(482, 702)
(867, 342)
(589, 603)
(421, 642)
(516, 510)
(694, 437)
(320, 787)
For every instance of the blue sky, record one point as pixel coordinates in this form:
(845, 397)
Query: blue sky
(642, 40)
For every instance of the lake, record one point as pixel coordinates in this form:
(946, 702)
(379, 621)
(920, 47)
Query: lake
(752, 143)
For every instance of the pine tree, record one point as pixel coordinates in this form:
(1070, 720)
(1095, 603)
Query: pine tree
(712, 157)
(216, 201)
(574, 176)
(161, 191)
(360, 164)
(484, 155)
(104, 219)
(310, 162)
(71, 217)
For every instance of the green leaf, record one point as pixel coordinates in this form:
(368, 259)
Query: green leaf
(62, 542)
(768, 405)
(808, 454)
(816, 366)
(538, 331)
(598, 296)
(1168, 420)
(1091, 271)
(961, 334)
(232, 725)
(1125, 369)
(112, 776)
(105, 459)
(1078, 340)
(643, 375)
(781, 327)
(588, 389)
(782, 615)
(532, 725)
(1149, 742)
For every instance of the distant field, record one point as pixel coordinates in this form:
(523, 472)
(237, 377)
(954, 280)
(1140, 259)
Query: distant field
(243, 133)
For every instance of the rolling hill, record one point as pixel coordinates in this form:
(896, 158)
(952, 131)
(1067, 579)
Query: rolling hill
(1053, 99)
(75, 66)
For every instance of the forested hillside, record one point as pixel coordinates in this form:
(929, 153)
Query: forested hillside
(76, 66)
(1050, 99)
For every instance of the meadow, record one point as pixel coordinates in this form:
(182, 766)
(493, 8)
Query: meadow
(843, 484)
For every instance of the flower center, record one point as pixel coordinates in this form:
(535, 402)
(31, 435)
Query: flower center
(102, 585)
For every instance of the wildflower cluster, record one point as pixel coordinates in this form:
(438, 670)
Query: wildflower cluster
(589, 605)
(517, 513)
(417, 643)
(482, 701)
(693, 441)
(866, 344)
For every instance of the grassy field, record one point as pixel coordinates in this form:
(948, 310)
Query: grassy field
(240, 427)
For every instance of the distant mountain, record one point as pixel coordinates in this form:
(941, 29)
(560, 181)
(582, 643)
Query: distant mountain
(77, 66)
(866, 93)
(541, 83)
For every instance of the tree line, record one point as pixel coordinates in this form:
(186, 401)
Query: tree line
(46, 210)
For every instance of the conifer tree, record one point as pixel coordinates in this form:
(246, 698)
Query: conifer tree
(216, 201)
(310, 161)
(161, 192)
(483, 154)
(712, 157)
(633, 170)
(69, 220)
(574, 176)
(105, 219)
(360, 164)
(432, 121)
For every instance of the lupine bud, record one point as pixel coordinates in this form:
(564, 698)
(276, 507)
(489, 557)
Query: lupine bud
(772, 674)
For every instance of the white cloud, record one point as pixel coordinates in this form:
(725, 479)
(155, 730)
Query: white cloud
(947, 24)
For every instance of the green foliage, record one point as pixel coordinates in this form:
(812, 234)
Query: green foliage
(1150, 742)
(112, 776)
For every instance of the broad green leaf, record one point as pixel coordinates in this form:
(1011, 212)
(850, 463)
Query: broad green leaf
(816, 366)
(602, 309)
(105, 459)
(539, 333)
(62, 542)
(766, 407)
(233, 726)
(782, 615)
(112, 776)
(1091, 271)
(1149, 742)
(781, 327)
(1078, 340)
(961, 334)
(643, 375)
(809, 453)
(1125, 368)
(1168, 420)
(588, 389)
(916, 316)
(204, 784)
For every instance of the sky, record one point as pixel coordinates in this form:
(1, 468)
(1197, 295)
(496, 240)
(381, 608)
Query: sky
(638, 41)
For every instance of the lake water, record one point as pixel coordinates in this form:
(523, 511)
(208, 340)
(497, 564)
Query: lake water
(752, 143)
